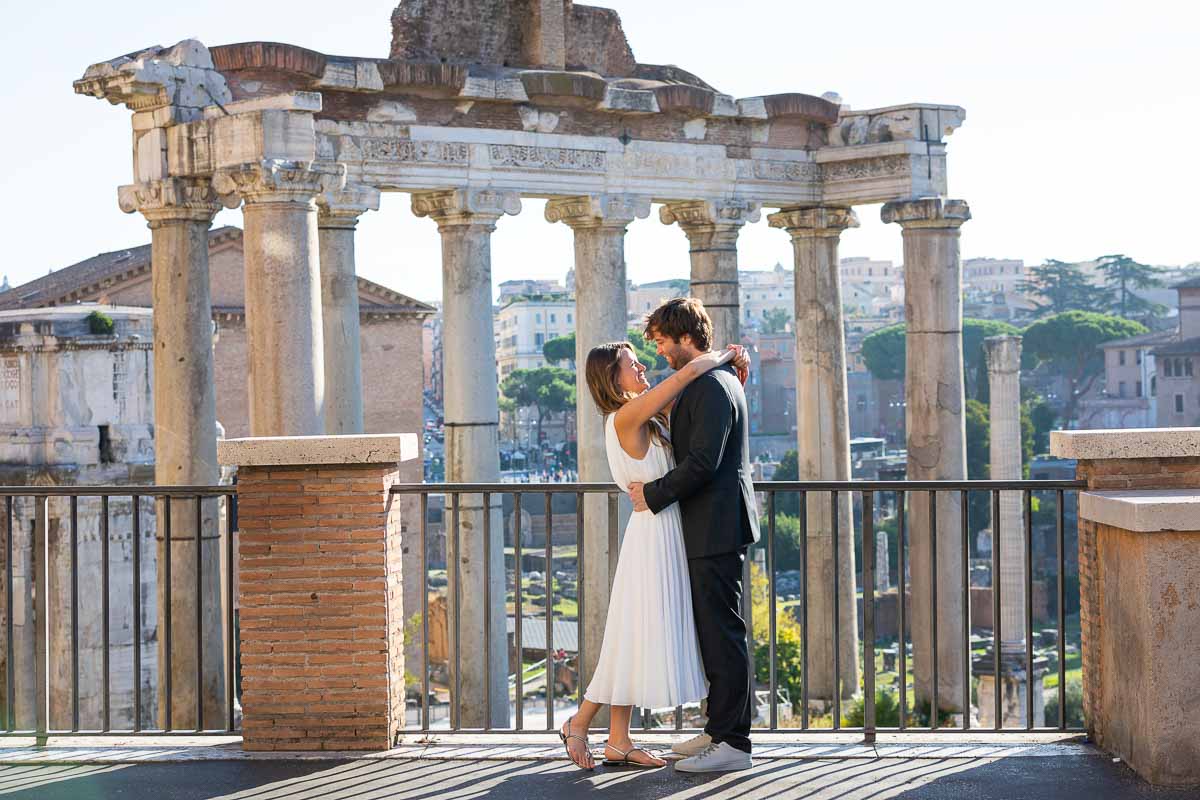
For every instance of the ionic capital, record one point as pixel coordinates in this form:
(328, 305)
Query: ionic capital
(189, 199)
(600, 211)
(926, 212)
(1003, 354)
(732, 213)
(809, 223)
(465, 206)
(342, 208)
(276, 181)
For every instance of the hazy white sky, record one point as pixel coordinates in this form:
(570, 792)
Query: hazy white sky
(1082, 118)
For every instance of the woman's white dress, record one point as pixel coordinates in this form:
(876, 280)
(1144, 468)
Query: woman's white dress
(650, 657)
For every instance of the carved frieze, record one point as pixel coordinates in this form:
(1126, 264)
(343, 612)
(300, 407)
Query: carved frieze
(881, 167)
(656, 164)
(406, 150)
(556, 158)
(772, 170)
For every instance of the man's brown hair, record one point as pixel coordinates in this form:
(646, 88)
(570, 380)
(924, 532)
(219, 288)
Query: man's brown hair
(683, 315)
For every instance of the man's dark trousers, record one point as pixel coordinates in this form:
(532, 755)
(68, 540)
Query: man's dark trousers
(717, 597)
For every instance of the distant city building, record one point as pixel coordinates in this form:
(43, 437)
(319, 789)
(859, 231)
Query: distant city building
(431, 338)
(870, 287)
(646, 297)
(1152, 380)
(771, 389)
(525, 323)
(763, 291)
(530, 287)
(993, 275)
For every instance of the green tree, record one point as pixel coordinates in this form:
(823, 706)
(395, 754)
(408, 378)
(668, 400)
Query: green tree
(99, 324)
(1121, 276)
(979, 430)
(1060, 286)
(1041, 418)
(883, 352)
(560, 349)
(1069, 344)
(789, 661)
(551, 390)
(775, 320)
(788, 470)
(647, 353)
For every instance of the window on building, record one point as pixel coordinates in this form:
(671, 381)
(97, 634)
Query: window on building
(1178, 404)
(1154, 386)
(539, 339)
(553, 319)
(1138, 387)
(1167, 371)
(1137, 356)
(1187, 367)
(569, 319)
(1121, 357)
(1121, 389)
(537, 318)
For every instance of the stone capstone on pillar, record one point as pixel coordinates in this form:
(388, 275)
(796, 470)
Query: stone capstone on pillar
(599, 223)
(283, 290)
(712, 229)
(935, 429)
(466, 219)
(823, 440)
(337, 218)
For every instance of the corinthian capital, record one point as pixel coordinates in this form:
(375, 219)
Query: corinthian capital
(273, 180)
(927, 212)
(607, 210)
(342, 208)
(173, 199)
(465, 206)
(733, 212)
(814, 222)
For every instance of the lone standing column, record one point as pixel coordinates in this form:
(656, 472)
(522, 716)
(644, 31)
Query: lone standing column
(179, 211)
(283, 292)
(1004, 383)
(936, 433)
(712, 228)
(600, 316)
(823, 440)
(466, 219)
(336, 220)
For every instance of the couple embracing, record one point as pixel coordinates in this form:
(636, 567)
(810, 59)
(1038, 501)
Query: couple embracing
(674, 632)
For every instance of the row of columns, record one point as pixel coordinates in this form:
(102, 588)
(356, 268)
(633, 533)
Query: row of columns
(305, 377)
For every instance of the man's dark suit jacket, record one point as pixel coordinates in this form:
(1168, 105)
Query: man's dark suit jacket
(710, 434)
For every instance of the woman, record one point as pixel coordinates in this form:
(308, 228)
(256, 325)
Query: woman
(650, 657)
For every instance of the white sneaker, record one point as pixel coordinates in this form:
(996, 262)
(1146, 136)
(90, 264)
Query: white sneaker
(693, 746)
(716, 758)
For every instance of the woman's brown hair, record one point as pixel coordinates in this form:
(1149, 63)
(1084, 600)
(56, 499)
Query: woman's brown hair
(603, 364)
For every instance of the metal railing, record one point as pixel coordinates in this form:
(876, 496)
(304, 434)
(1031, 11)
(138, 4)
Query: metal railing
(805, 493)
(42, 567)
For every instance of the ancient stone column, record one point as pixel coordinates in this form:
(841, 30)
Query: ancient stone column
(712, 229)
(600, 316)
(1004, 383)
(283, 292)
(337, 218)
(179, 212)
(823, 441)
(934, 423)
(466, 219)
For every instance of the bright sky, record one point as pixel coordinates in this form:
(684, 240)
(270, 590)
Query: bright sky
(1079, 139)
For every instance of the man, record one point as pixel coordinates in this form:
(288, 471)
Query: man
(711, 482)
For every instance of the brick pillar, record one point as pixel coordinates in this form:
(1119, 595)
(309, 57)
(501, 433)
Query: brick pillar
(1139, 585)
(322, 618)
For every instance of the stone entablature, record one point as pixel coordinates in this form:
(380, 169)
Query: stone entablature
(418, 126)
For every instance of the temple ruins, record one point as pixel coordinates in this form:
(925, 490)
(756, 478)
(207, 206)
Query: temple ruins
(481, 103)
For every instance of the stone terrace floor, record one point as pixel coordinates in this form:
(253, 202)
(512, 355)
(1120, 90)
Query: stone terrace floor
(454, 768)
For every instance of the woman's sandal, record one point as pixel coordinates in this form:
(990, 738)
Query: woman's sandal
(565, 737)
(625, 760)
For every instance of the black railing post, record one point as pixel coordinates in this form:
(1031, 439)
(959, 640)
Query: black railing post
(902, 593)
(518, 612)
(774, 680)
(868, 580)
